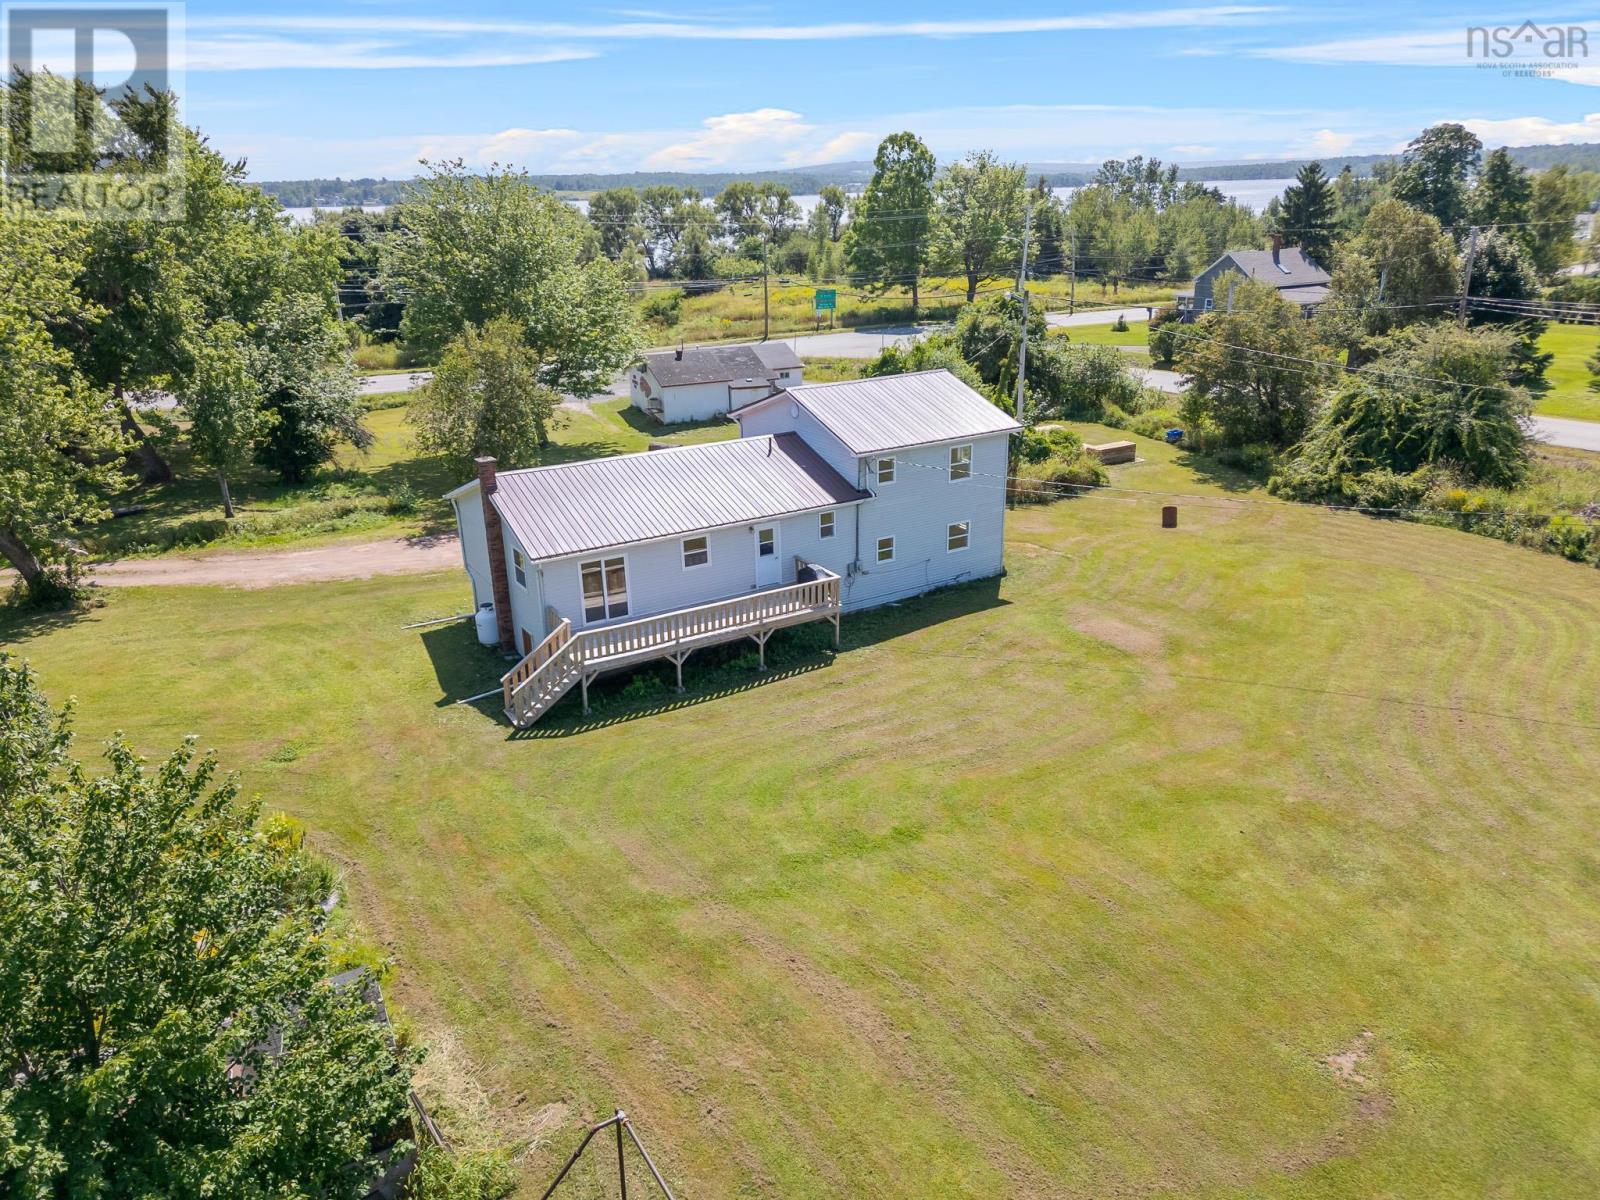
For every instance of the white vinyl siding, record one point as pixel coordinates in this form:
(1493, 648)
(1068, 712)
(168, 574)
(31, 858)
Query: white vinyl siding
(960, 462)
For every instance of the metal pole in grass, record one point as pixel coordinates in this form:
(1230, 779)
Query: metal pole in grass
(620, 1120)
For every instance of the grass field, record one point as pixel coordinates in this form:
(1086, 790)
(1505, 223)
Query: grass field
(389, 489)
(1568, 394)
(1136, 334)
(1250, 859)
(735, 312)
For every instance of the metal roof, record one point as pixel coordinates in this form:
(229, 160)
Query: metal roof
(1284, 268)
(892, 412)
(717, 364)
(606, 502)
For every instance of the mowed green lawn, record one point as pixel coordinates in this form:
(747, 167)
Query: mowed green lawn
(1251, 859)
(1568, 377)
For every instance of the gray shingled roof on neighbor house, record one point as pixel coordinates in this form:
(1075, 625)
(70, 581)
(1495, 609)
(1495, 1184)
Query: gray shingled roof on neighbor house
(607, 502)
(1286, 268)
(718, 364)
(892, 412)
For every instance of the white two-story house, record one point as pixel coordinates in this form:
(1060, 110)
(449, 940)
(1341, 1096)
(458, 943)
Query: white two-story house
(834, 497)
(701, 382)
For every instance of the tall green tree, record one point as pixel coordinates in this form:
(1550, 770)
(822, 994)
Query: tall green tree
(614, 213)
(834, 206)
(1437, 172)
(486, 397)
(1503, 194)
(309, 388)
(221, 397)
(889, 240)
(475, 247)
(168, 1026)
(1558, 197)
(59, 435)
(1393, 273)
(978, 217)
(1253, 372)
(1307, 214)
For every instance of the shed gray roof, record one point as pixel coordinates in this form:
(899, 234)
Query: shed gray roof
(1284, 268)
(717, 364)
(606, 502)
(893, 412)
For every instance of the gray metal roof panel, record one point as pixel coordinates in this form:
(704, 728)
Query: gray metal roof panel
(1290, 268)
(891, 412)
(605, 502)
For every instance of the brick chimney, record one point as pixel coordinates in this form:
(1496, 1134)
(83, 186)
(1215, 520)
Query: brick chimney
(1277, 246)
(497, 554)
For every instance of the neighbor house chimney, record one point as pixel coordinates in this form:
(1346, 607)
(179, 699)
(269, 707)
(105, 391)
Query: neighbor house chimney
(497, 553)
(1277, 246)
(678, 354)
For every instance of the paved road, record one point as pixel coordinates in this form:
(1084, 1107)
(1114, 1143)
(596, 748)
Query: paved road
(376, 385)
(1563, 431)
(1099, 316)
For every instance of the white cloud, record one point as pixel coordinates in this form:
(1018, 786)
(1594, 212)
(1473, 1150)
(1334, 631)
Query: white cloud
(396, 24)
(834, 149)
(1192, 148)
(264, 52)
(1327, 141)
(1535, 131)
(729, 137)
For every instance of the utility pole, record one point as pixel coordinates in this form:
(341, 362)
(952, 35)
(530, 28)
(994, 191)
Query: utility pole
(766, 312)
(1022, 347)
(1072, 275)
(1466, 275)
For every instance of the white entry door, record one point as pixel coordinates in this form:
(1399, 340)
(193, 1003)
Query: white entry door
(769, 569)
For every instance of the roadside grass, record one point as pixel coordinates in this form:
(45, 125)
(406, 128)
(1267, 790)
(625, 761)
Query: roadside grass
(390, 489)
(823, 368)
(734, 313)
(1251, 858)
(1137, 334)
(1567, 393)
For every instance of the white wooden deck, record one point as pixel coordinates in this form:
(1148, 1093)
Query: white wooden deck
(565, 658)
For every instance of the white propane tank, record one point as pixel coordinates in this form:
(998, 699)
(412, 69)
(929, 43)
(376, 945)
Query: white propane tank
(488, 627)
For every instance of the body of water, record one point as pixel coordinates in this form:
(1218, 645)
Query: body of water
(1252, 193)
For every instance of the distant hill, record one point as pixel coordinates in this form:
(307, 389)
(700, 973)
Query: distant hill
(852, 176)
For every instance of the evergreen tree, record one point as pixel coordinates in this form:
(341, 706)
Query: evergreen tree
(1307, 214)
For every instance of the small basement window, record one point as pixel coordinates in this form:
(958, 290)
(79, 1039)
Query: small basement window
(886, 549)
(696, 552)
(960, 462)
(958, 535)
(885, 470)
(825, 525)
(519, 568)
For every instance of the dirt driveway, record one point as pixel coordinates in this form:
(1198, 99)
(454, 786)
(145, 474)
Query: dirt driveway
(268, 568)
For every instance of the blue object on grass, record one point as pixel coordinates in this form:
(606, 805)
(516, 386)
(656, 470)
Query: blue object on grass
(1174, 436)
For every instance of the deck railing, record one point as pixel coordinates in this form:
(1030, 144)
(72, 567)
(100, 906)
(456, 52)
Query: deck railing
(548, 671)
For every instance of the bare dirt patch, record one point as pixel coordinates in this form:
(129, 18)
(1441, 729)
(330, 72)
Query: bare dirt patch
(1130, 639)
(269, 568)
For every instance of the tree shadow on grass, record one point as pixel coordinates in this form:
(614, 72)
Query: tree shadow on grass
(19, 622)
(465, 669)
(642, 422)
(1217, 474)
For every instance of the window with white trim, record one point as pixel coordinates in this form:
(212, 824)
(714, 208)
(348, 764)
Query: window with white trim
(766, 542)
(958, 535)
(825, 524)
(884, 469)
(960, 462)
(605, 589)
(885, 549)
(519, 568)
(696, 551)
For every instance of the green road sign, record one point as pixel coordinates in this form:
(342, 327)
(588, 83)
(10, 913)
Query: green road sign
(827, 298)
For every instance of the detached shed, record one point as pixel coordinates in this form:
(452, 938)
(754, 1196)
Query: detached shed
(701, 382)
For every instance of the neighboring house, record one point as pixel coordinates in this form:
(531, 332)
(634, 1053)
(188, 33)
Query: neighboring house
(835, 497)
(705, 381)
(1294, 276)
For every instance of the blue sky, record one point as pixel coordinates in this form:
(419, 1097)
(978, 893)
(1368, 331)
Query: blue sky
(366, 87)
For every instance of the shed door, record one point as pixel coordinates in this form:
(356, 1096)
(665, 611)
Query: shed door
(769, 571)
